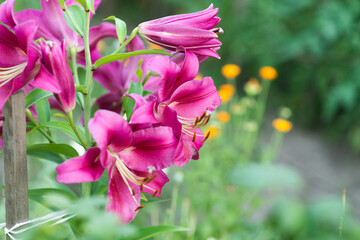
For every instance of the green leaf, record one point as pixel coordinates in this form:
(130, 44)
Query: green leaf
(143, 197)
(65, 128)
(54, 148)
(78, 14)
(36, 95)
(82, 89)
(62, 3)
(43, 111)
(2, 186)
(121, 30)
(91, 5)
(48, 156)
(139, 71)
(120, 56)
(147, 232)
(129, 103)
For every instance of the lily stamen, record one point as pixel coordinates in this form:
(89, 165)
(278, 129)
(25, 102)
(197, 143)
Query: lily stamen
(207, 136)
(139, 207)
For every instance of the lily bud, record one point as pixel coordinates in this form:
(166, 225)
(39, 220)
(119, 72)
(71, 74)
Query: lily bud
(193, 32)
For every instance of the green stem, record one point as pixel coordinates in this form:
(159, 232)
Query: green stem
(262, 101)
(88, 79)
(73, 22)
(132, 35)
(74, 67)
(32, 120)
(86, 189)
(72, 124)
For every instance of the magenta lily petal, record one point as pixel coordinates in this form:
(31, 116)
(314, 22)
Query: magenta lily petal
(120, 199)
(46, 81)
(86, 168)
(7, 13)
(155, 186)
(190, 31)
(152, 147)
(110, 130)
(189, 69)
(21, 63)
(144, 114)
(194, 97)
(55, 61)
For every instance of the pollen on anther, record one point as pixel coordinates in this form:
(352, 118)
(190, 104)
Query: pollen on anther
(194, 137)
(154, 194)
(132, 191)
(139, 207)
(206, 137)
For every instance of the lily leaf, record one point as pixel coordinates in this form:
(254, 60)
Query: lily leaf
(54, 148)
(36, 95)
(129, 103)
(78, 15)
(147, 232)
(121, 30)
(63, 127)
(120, 56)
(43, 111)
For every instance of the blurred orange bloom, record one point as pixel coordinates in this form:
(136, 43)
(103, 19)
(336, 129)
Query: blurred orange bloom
(101, 45)
(226, 92)
(230, 71)
(214, 131)
(223, 116)
(282, 125)
(268, 73)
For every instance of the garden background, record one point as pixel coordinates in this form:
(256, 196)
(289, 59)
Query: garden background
(253, 181)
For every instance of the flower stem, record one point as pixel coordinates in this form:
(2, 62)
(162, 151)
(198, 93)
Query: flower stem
(74, 67)
(72, 124)
(73, 22)
(88, 79)
(132, 35)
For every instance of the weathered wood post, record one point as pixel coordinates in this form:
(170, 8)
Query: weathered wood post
(15, 163)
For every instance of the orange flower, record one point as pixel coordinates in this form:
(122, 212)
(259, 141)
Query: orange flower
(226, 92)
(230, 71)
(268, 73)
(214, 131)
(282, 125)
(223, 116)
(101, 45)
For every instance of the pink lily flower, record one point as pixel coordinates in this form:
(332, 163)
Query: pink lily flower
(133, 159)
(21, 64)
(55, 68)
(178, 101)
(51, 21)
(194, 32)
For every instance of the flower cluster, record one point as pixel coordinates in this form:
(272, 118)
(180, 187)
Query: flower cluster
(163, 127)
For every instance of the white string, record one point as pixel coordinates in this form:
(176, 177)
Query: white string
(60, 216)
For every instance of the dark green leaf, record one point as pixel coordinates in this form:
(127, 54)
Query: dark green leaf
(43, 111)
(129, 103)
(36, 95)
(119, 56)
(48, 156)
(54, 148)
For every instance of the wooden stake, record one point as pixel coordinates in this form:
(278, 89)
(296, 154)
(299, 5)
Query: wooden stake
(15, 164)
